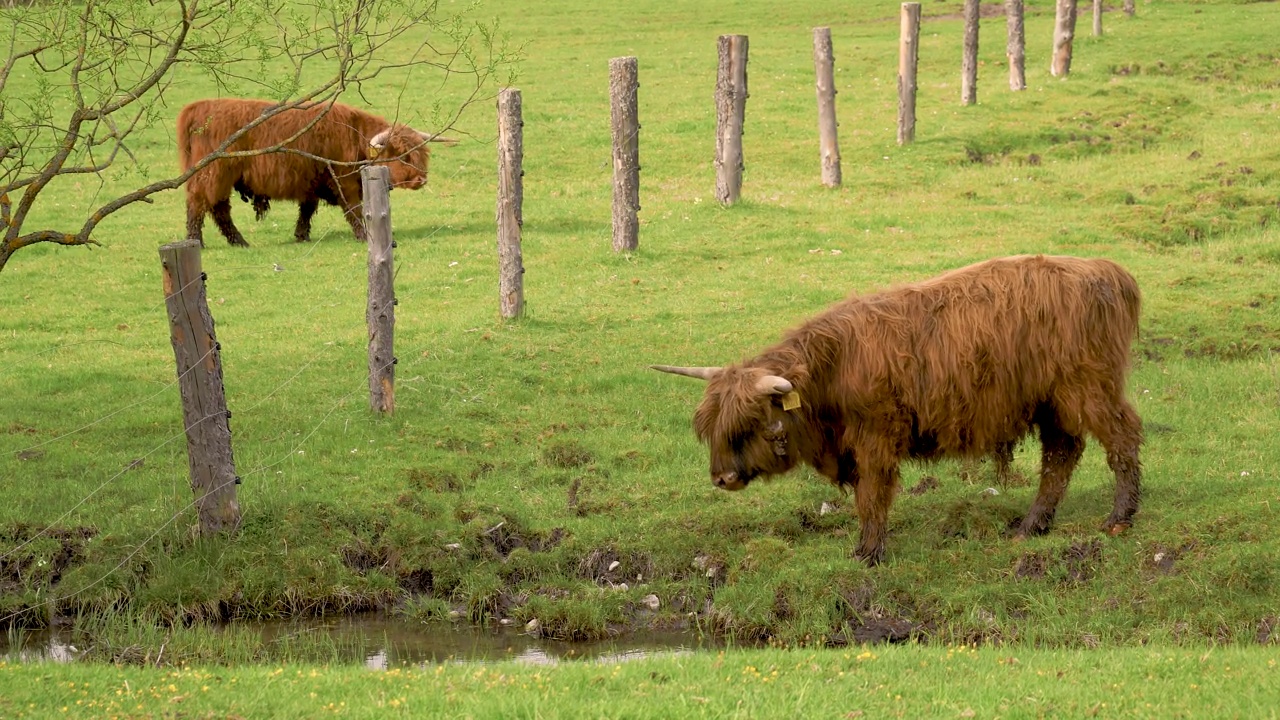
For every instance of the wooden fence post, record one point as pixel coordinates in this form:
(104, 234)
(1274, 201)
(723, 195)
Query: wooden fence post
(1016, 49)
(731, 110)
(1064, 31)
(828, 138)
(1097, 18)
(510, 204)
(381, 312)
(908, 59)
(969, 63)
(204, 401)
(624, 116)
(1129, 7)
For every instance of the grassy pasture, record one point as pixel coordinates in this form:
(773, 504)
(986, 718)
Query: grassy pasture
(910, 681)
(546, 452)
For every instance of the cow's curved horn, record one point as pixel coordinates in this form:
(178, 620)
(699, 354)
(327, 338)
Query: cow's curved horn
(774, 385)
(379, 141)
(435, 137)
(702, 373)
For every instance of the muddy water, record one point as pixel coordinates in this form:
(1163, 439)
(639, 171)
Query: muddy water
(382, 643)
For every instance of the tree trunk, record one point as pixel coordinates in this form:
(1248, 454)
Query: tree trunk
(828, 138)
(510, 204)
(1015, 50)
(908, 59)
(969, 63)
(381, 312)
(1064, 32)
(625, 122)
(731, 110)
(204, 401)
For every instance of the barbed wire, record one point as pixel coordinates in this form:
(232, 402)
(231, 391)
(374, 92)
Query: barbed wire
(258, 469)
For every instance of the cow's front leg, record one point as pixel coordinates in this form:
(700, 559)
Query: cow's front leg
(875, 486)
(306, 211)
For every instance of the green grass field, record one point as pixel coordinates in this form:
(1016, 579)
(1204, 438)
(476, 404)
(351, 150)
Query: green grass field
(534, 468)
(910, 682)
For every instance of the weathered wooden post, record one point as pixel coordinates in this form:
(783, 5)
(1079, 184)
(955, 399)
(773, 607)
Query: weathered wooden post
(381, 312)
(969, 63)
(731, 111)
(1097, 18)
(510, 204)
(204, 401)
(908, 59)
(624, 116)
(1016, 49)
(1064, 32)
(1129, 7)
(828, 138)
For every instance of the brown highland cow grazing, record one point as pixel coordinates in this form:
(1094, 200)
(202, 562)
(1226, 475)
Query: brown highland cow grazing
(962, 365)
(343, 136)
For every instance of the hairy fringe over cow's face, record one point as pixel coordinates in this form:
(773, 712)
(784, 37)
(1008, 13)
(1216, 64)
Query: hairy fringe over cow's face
(745, 427)
(406, 156)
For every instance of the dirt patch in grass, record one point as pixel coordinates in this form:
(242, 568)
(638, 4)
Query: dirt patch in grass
(610, 566)
(40, 556)
(1075, 564)
(435, 481)
(567, 455)
(927, 483)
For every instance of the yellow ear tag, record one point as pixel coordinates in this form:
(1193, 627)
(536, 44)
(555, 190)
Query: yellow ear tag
(372, 152)
(791, 401)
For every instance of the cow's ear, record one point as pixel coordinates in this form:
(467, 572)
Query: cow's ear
(372, 152)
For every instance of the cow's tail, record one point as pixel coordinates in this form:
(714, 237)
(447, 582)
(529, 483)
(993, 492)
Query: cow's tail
(185, 131)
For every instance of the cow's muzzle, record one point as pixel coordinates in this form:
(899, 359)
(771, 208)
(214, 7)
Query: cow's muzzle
(729, 481)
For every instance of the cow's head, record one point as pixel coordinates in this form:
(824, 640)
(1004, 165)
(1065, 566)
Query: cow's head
(744, 419)
(405, 153)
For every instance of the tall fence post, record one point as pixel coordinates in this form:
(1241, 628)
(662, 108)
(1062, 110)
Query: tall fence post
(731, 110)
(1016, 49)
(1064, 31)
(381, 312)
(825, 83)
(969, 63)
(1097, 18)
(204, 401)
(624, 116)
(908, 59)
(510, 204)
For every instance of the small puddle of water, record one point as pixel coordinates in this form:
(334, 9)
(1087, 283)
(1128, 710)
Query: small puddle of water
(383, 643)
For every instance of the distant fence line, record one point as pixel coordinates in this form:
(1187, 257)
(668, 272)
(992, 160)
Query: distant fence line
(197, 352)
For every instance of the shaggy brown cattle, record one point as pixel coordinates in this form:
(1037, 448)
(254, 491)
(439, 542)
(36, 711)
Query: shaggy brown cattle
(964, 364)
(335, 138)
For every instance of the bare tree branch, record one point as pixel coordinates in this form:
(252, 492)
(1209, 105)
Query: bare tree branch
(98, 74)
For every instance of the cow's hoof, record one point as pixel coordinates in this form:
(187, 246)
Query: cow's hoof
(1114, 529)
(872, 558)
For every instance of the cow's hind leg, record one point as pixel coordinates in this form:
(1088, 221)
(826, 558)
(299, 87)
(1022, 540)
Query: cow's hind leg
(195, 222)
(1060, 452)
(222, 217)
(306, 211)
(1120, 432)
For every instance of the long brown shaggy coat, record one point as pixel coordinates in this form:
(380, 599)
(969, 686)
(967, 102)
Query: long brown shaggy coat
(338, 134)
(964, 364)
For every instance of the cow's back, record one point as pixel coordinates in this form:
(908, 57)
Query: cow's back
(966, 358)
